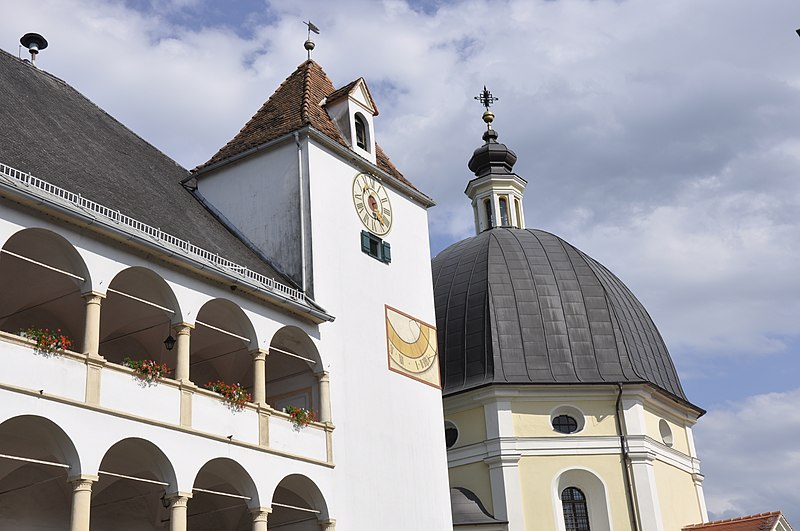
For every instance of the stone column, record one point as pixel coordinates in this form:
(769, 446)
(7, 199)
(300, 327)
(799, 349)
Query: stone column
(182, 330)
(324, 396)
(81, 502)
(260, 515)
(91, 330)
(178, 510)
(327, 525)
(259, 376)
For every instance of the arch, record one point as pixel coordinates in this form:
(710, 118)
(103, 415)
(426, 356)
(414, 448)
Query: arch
(137, 315)
(38, 438)
(233, 494)
(221, 343)
(126, 503)
(362, 131)
(292, 381)
(296, 501)
(595, 491)
(42, 277)
(35, 494)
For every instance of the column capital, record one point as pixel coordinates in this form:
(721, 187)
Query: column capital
(324, 376)
(327, 525)
(643, 458)
(505, 460)
(698, 479)
(83, 481)
(260, 514)
(178, 499)
(182, 329)
(259, 354)
(93, 297)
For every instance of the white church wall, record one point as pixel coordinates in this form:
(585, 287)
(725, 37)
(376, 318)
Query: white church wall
(391, 437)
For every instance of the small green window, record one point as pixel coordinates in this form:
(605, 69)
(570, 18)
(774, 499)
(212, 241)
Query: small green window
(375, 247)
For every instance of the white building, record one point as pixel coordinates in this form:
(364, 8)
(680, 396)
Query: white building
(563, 408)
(295, 262)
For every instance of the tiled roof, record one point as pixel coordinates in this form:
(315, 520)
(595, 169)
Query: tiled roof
(49, 129)
(294, 105)
(756, 522)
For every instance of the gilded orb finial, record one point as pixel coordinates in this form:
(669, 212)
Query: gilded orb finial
(309, 44)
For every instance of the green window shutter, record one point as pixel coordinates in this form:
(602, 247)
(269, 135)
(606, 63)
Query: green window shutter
(386, 252)
(365, 241)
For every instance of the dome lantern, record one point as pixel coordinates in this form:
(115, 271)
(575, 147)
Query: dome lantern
(496, 191)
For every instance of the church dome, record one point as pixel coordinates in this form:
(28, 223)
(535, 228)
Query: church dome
(522, 306)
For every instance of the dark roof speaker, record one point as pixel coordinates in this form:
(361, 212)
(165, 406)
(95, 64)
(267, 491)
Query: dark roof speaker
(34, 43)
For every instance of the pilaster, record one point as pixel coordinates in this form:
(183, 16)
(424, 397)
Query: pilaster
(644, 484)
(507, 490)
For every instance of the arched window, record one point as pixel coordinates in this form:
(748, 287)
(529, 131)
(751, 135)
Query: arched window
(518, 211)
(504, 212)
(361, 132)
(576, 514)
(489, 218)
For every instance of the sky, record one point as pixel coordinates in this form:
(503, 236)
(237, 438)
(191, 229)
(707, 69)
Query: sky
(661, 138)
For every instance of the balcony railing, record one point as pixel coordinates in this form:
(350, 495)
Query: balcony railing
(64, 378)
(114, 218)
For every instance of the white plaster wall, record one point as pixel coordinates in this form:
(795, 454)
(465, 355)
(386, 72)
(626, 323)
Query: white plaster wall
(389, 443)
(260, 196)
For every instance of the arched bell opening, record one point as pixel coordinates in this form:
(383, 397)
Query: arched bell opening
(134, 478)
(137, 314)
(38, 459)
(292, 368)
(222, 498)
(41, 280)
(297, 505)
(221, 342)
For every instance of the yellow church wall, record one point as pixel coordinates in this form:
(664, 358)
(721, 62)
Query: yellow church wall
(475, 477)
(537, 474)
(532, 419)
(680, 441)
(677, 496)
(471, 426)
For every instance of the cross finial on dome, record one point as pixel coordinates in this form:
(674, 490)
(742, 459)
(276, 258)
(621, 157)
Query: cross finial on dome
(487, 99)
(309, 44)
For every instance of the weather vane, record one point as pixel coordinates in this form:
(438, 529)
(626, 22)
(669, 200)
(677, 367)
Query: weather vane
(309, 44)
(486, 98)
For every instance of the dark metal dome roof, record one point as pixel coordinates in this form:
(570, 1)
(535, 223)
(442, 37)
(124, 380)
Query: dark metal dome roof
(518, 306)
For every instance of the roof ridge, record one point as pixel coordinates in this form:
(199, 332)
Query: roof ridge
(304, 118)
(734, 520)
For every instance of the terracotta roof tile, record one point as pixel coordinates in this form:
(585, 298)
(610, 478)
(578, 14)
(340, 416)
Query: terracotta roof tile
(294, 105)
(756, 522)
(340, 92)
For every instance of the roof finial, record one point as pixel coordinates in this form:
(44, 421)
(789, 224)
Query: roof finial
(309, 44)
(487, 99)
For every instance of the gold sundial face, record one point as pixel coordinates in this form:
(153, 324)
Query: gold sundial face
(372, 204)
(412, 347)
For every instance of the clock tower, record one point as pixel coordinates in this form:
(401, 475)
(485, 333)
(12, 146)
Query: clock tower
(307, 185)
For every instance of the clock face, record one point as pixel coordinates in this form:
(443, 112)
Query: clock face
(372, 204)
(412, 347)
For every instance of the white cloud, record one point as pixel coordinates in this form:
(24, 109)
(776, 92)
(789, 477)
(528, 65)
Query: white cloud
(750, 456)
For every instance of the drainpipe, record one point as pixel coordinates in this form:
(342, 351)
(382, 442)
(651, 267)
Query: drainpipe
(302, 211)
(626, 464)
